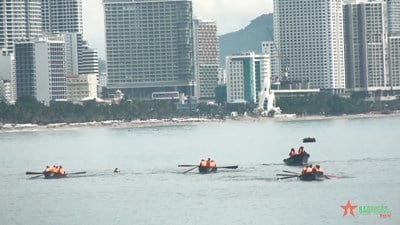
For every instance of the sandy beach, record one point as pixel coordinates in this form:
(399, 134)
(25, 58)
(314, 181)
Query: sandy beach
(181, 121)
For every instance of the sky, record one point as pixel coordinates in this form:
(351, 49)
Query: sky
(230, 15)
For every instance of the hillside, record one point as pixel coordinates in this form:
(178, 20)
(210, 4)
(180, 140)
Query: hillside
(247, 39)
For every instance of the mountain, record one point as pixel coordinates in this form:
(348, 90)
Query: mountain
(247, 39)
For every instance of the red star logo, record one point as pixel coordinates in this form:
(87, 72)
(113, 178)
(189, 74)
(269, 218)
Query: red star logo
(348, 208)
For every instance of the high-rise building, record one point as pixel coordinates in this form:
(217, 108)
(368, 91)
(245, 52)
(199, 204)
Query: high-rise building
(149, 46)
(90, 60)
(62, 16)
(269, 48)
(206, 48)
(19, 20)
(309, 37)
(246, 74)
(393, 11)
(40, 69)
(394, 62)
(366, 46)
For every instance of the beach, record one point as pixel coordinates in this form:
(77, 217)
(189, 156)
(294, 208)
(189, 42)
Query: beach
(10, 127)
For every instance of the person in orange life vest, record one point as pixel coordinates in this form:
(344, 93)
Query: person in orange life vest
(56, 169)
(203, 163)
(47, 169)
(212, 164)
(292, 152)
(61, 170)
(318, 169)
(208, 162)
(301, 150)
(307, 169)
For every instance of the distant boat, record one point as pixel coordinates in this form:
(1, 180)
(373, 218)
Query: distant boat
(297, 160)
(308, 139)
(311, 176)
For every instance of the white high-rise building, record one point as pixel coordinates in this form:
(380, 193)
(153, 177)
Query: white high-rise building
(40, 69)
(309, 37)
(246, 73)
(19, 20)
(206, 58)
(61, 16)
(366, 46)
(90, 60)
(149, 46)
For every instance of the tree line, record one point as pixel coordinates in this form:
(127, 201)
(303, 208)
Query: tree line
(29, 110)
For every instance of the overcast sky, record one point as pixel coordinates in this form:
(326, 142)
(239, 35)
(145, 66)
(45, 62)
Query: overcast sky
(231, 15)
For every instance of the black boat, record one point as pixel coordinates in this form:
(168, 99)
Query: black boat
(50, 175)
(205, 169)
(308, 139)
(297, 160)
(312, 176)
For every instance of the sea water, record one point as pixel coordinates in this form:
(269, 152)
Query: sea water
(363, 154)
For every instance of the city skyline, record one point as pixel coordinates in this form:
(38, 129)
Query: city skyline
(240, 13)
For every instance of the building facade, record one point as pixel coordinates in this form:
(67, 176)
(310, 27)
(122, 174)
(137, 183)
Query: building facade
(19, 20)
(246, 74)
(366, 48)
(309, 37)
(81, 87)
(149, 46)
(62, 16)
(206, 48)
(40, 69)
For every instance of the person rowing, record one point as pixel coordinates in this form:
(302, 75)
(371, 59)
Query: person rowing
(292, 152)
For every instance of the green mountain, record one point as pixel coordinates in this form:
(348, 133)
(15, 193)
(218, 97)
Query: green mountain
(247, 39)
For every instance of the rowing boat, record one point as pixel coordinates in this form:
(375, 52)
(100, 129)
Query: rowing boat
(297, 160)
(312, 176)
(206, 169)
(50, 175)
(308, 139)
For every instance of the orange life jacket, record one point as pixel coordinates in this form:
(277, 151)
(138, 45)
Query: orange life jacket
(213, 164)
(203, 163)
(309, 170)
(61, 171)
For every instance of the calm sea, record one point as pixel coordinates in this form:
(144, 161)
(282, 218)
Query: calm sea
(152, 189)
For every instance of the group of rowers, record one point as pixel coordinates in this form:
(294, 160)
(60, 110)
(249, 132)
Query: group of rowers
(312, 170)
(54, 169)
(293, 153)
(208, 164)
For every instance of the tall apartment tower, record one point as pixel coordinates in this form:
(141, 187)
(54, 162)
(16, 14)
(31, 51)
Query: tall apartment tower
(365, 45)
(19, 20)
(309, 38)
(62, 16)
(246, 73)
(206, 47)
(40, 69)
(269, 48)
(393, 10)
(149, 46)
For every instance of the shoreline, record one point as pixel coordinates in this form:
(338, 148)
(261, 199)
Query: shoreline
(181, 122)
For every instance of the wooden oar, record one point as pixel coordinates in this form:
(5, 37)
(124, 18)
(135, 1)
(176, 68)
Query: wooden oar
(228, 167)
(186, 165)
(286, 171)
(32, 173)
(190, 169)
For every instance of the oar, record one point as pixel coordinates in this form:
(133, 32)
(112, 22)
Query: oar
(35, 176)
(286, 175)
(82, 172)
(286, 171)
(191, 169)
(186, 165)
(32, 173)
(281, 178)
(228, 167)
